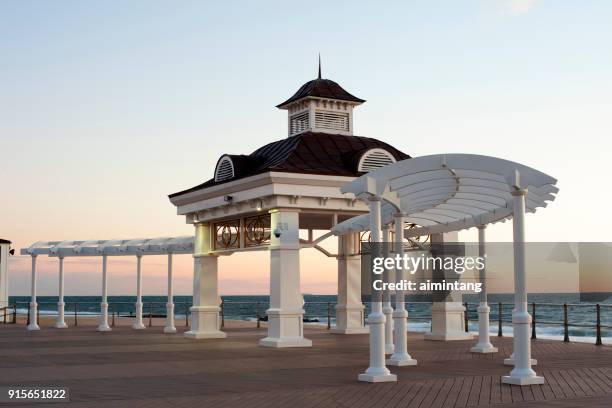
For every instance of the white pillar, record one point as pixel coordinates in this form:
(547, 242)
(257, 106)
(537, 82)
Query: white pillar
(484, 343)
(170, 304)
(33, 305)
(138, 324)
(377, 371)
(205, 323)
(447, 315)
(400, 356)
(349, 310)
(387, 307)
(61, 323)
(104, 305)
(286, 312)
(522, 374)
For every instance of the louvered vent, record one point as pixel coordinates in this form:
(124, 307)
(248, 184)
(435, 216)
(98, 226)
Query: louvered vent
(374, 159)
(299, 123)
(332, 120)
(224, 170)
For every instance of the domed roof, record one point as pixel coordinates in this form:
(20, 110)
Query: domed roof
(322, 88)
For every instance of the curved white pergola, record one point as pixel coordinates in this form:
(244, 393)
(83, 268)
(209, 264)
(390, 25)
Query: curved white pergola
(443, 193)
(105, 248)
(448, 192)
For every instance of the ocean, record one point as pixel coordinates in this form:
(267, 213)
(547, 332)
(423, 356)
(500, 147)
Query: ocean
(319, 308)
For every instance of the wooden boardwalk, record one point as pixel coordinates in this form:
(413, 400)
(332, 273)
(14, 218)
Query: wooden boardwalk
(125, 368)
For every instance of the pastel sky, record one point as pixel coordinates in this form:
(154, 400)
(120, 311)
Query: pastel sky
(107, 107)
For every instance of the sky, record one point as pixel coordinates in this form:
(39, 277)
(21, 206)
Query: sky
(107, 107)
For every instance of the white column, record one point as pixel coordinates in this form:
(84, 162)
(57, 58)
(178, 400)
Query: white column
(205, 323)
(522, 374)
(377, 371)
(447, 315)
(104, 305)
(33, 305)
(61, 323)
(286, 312)
(387, 307)
(484, 343)
(400, 356)
(349, 310)
(170, 304)
(138, 324)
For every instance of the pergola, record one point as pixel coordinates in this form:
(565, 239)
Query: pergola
(443, 193)
(105, 248)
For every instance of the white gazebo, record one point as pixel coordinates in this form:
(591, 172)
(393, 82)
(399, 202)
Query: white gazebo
(443, 193)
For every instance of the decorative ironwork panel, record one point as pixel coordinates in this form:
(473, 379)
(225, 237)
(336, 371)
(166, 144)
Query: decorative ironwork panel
(227, 234)
(257, 230)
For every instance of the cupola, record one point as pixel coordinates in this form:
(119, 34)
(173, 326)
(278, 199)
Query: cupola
(320, 105)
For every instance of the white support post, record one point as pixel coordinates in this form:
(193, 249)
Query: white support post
(286, 312)
(522, 374)
(61, 323)
(170, 304)
(138, 324)
(33, 305)
(103, 327)
(484, 343)
(400, 357)
(205, 322)
(387, 307)
(377, 371)
(349, 310)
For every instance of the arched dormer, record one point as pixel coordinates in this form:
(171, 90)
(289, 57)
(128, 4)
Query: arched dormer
(374, 159)
(225, 169)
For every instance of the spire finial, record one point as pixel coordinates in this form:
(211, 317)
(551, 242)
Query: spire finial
(319, 65)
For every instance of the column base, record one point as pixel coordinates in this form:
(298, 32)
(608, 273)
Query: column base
(169, 329)
(138, 326)
(452, 336)
(33, 327)
(285, 342)
(518, 380)
(377, 378)
(104, 328)
(205, 335)
(60, 325)
(484, 349)
(510, 361)
(401, 361)
(350, 330)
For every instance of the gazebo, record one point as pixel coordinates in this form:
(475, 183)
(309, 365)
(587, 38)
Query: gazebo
(443, 193)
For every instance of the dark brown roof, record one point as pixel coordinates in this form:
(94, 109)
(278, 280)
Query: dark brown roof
(4, 241)
(306, 153)
(323, 88)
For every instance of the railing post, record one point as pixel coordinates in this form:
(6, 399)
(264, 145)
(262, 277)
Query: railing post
(598, 326)
(328, 315)
(4, 309)
(113, 320)
(565, 324)
(533, 321)
(222, 313)
(465, 317)
(257, 312)
(150, 314)
(500, 320)
(14, 313)
(186, 315)
(76, 309)
(28, 319)
(38, 316)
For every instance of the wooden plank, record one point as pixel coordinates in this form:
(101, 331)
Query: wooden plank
(495, 390)
(474, 392)
(464, 393)
(485, 391)
(443, 394)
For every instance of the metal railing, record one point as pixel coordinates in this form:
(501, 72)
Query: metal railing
(505, 316)
(317, 311)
